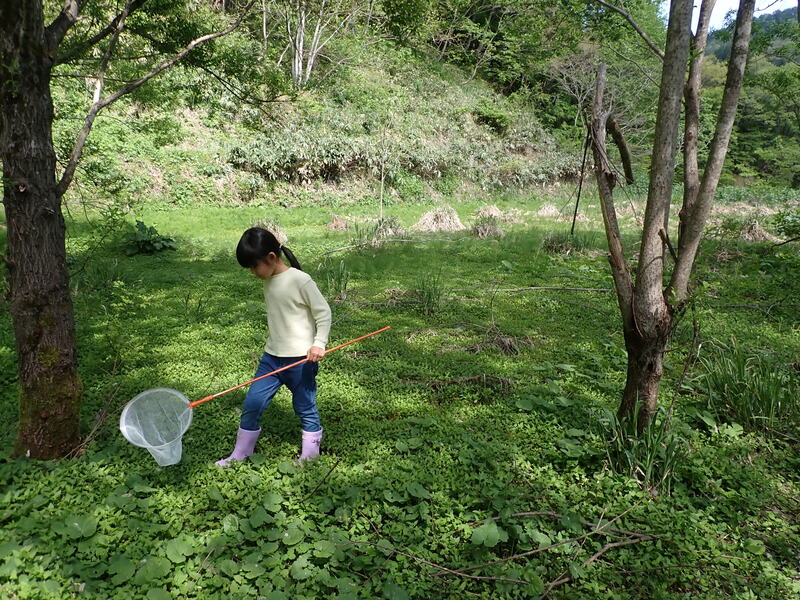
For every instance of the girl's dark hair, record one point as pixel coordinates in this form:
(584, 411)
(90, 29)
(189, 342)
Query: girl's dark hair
(256, 243)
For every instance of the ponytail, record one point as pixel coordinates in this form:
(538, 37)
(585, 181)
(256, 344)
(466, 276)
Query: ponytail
(291, 258)
(256, 243)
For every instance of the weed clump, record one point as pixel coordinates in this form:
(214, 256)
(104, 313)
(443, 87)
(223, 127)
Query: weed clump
(487, 227)
(563, 242)
(748, 389)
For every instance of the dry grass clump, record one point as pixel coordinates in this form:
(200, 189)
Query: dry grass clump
(548, 210)
(489, 211)
(440, 219)
(754, 232)
(338, 224)
(274, 228)
(551, 211)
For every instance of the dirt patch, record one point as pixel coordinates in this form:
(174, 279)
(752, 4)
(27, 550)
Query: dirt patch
(441, 219)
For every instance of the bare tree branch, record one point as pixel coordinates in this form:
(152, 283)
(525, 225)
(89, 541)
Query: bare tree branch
(635, 25)
(56, 31)
(605, 184)
(100, 35)
(100, 103)
(692, 104)
(695, 223)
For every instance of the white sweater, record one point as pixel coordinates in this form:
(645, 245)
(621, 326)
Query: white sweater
(298, 316)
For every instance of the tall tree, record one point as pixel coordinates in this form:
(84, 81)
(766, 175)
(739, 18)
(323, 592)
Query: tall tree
(41, 307)
(648, 306)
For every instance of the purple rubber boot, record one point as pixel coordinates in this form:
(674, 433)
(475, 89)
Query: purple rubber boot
(311, 442)
(245, 445)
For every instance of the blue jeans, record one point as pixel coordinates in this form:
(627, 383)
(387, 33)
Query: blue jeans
(301, 381)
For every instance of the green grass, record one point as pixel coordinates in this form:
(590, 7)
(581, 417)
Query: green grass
(419, 450)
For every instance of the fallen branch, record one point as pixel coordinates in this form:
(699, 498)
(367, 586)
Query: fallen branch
(600, 529)
(321, 481)
(434, 565)
(594, 557)
(794, 239)
(552, 288)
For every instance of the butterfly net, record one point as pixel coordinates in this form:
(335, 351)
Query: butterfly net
(156, 420)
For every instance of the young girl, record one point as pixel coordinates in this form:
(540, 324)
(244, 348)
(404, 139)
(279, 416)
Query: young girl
(299, 320)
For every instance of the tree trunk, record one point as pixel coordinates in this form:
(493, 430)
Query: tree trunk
(645, 369)
(41, 307)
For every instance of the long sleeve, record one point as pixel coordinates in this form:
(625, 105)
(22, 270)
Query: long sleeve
(320, 311)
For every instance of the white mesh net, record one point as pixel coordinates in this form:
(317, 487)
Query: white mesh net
(156, 420)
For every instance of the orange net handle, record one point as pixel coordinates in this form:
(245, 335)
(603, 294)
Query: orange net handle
(294, 364)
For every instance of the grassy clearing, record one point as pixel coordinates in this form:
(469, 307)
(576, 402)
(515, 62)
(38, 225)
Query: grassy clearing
(484, 400)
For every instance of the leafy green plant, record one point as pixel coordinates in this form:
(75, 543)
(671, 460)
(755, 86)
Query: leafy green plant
(650, 457)
(748, 388)
(146, 240)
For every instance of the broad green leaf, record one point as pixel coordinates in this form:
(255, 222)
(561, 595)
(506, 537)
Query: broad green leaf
(541, 539)
(300, 568)
(229, 567)
(122, 568)
(158, 594)
(487, 535)
(214, 494)
(230, 524)
(79, 526)
(576, 570)
(178, 549)
(324, 549)
(572, 522)
(570, 447)
(524, 403)
(754, 546)
(272, 502)
(417, 490)
(287, 467)
(152, 568)
(292, 535)
(259, 517)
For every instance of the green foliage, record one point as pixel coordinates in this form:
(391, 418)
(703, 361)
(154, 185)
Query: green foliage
(146, 240)
(493, 117)
(757, 194)
(417, 457)
(787, 223)
(409, 187)
(748, 388)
